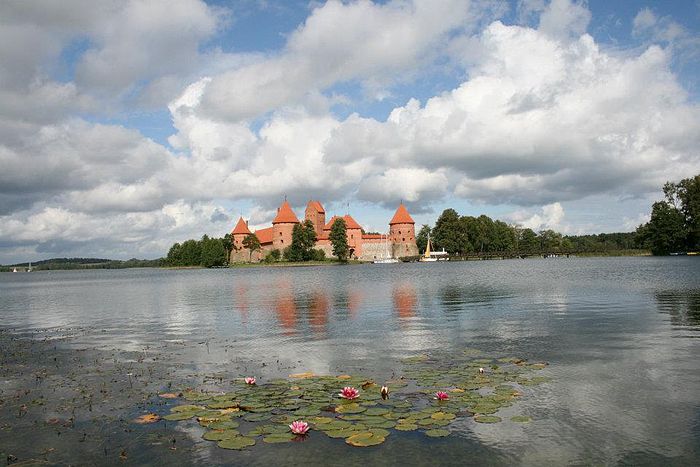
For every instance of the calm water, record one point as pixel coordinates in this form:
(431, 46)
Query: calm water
(621, 336)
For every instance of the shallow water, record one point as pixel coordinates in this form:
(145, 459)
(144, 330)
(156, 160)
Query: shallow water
(620, 335)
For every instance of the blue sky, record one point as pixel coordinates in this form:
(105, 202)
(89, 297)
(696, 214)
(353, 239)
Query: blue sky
(130, 125)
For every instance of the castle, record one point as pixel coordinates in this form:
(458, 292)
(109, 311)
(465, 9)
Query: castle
(400, 241)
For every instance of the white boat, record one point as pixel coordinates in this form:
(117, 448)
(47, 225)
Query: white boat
(29, 268)
(430, 256)
(14, 270)
(386, 255)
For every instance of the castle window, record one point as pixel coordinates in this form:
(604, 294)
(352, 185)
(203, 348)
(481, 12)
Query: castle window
(281, 241)
(399, 232)
(352, 236)
(403, 239)
(280, 234)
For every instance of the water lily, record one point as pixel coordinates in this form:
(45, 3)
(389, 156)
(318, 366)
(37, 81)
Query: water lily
(481, 371)
(349, 393)
(299, 427)
(385, 392)
(249, 380)
(441, 396)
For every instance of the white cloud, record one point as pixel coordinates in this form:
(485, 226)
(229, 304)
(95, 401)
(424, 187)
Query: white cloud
(549, 217)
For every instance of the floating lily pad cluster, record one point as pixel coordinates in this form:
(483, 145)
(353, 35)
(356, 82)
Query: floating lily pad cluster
(475, 387)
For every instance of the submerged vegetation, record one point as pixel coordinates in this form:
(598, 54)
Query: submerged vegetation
(433, 394)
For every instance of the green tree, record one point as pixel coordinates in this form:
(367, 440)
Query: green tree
(227, 241)
(339, 239)
(213, 252)
(191, 253)
(449, 233)
(528, 241)
(504, 237)
(303, 242)
(550, 240)
(685, 197)
(174, 257)
(422, 237)
(252, 243)
(272, 256)
(665, 232)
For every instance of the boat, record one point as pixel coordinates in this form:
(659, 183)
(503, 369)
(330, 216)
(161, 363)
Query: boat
(29, 268)
(386, 255)
(14, 269)
(431, 256)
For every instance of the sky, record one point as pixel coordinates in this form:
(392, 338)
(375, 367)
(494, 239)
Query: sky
(126, 126)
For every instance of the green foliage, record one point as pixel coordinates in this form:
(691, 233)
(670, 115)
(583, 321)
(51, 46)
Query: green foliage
(213, 252)
(422, 237)
(272, 256)
(303, 241)
(675, 223)
(252, 243)
(207, 252)
(339, 239)
(448, 233)
(318, 255)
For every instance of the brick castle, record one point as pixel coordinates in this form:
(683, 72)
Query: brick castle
(400, 241)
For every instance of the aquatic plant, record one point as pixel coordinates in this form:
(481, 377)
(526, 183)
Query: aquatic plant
(350, 393)
(249, 380)
(299, 427)
(282, 409)
(384, 392)
(441, 396)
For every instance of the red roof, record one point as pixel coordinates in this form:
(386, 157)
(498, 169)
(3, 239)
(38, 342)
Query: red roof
(350, 223)
(285, 215)
(264, 235)
(317, 206)
(241, 228)
(401, 216)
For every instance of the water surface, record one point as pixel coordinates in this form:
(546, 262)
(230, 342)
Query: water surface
(620, 335)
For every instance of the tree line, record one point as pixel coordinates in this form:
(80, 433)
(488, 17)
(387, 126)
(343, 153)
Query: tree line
(674, 225)
(463, 235)
(215, 252)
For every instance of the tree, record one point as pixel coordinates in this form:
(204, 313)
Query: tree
(272, 256)
(665, 232)
(448, 232)
(174, 257)
(339, 239)
(191, 253)
(227, 241)
(687, 197)
(252, 243)
(528, 241)
(213, 252)
(503, 237)
(422, 237)
(303, 242)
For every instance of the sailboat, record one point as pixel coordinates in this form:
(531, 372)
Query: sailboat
(426, 256)
(29, 268)
(386, 255)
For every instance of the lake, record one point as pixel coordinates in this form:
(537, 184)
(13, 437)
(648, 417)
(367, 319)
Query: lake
(84, 352)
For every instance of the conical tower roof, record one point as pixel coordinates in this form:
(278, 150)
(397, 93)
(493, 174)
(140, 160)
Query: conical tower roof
(285, 215)
(241, 228)
(401, 216)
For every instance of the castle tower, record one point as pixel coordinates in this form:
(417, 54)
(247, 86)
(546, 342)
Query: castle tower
(317, 215)
(282, 226)
(402, 233)
(238, 234)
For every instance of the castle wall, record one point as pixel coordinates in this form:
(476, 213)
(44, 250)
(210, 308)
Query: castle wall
(374, 249)
(282, 235)
(318, 219)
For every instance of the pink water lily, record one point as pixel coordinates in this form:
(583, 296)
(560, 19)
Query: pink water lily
(441, 396)
(349, 393)
(249, 380)
(299, 427)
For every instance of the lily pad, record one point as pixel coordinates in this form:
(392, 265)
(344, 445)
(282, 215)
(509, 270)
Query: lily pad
(352, 408)
(365, 439)
(238, 442)
(279, 438)
(218, 435)
(406, 426)
(179, 416)
(443, 416)
(437, 433)
(487, 419)
(520, 419)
